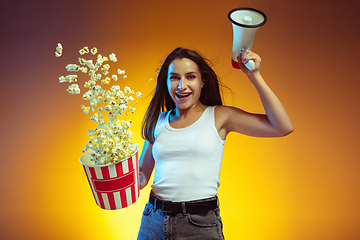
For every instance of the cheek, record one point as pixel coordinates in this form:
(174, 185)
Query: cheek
(169, 87)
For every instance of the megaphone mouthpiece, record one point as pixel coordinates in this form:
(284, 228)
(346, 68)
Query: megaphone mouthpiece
(246, 20)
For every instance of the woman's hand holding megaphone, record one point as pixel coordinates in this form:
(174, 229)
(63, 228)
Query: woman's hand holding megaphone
(244, 57)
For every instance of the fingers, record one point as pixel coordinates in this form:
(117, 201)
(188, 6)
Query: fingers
(246, 55)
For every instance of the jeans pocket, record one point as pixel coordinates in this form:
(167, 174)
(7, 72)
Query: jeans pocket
(148, 208)
(207, 220)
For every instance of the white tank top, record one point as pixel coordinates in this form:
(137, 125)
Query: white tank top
(187, 160)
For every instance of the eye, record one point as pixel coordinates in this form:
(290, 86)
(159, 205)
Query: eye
(173, 77)
(191, 76)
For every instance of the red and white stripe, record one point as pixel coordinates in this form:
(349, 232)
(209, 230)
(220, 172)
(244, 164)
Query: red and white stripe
(114, 186)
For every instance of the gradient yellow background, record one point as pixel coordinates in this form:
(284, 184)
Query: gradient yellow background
(303, 186)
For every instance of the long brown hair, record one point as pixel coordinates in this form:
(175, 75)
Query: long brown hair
(161, 100)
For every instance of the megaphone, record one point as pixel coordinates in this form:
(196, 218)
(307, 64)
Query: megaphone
(245, 22)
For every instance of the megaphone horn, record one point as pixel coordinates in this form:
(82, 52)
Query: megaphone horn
(245, 22)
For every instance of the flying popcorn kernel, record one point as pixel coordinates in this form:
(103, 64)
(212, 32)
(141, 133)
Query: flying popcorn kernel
(132, 110)
(74, 89)
(127, 90)
(62, 79)
(59, 49)
(94, 50)
(82, 61)
(138, 94)
(112, 57)
(84, 50)
(87, 84)
(72, 68)
(114, 77)
(105, 69)
(90, 64)
(106, 81)
(71, 78)
(83, 69)
(85, 109)
(121, 72)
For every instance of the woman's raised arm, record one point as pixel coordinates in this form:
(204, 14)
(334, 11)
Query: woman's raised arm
(275, 123)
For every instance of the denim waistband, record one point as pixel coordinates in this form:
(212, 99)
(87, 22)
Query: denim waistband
(194, 206)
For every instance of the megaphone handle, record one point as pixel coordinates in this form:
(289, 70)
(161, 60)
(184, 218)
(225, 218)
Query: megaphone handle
(250, 65)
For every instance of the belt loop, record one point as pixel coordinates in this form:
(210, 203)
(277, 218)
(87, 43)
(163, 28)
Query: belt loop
(155, 203)
(183, 208)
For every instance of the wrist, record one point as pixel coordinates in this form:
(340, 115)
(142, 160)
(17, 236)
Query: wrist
(254, 76)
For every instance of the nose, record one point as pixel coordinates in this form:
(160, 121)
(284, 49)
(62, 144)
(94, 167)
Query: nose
(182, 84)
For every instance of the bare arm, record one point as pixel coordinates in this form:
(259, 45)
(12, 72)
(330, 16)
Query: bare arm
(146, 164)
(275, 123)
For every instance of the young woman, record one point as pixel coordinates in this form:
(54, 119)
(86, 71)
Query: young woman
(185, 127)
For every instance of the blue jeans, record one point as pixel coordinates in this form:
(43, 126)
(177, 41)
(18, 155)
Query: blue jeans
(156, 225)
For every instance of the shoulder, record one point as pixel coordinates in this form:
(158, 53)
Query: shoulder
(222, 111)
(225, 114)
(163, 115)
(161, 121)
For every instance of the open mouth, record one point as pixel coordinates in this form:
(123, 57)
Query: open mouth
(182, 95)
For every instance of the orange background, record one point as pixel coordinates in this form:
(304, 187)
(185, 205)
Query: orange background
(303, 186)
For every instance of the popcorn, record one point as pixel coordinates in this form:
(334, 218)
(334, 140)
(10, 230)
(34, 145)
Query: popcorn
(83, 69)
(81, 61)
(93, 50)
(72, 68)
(85, 109)
(59, 49)
(106, 81)
(111, 139)
(84, 50)
(90, 64)
(68, 78)
(132, 110)
(62, 79)
(112, 57)
(72, 78)
(121, 72)
(105, 69)
(74, 89)
(127, 90)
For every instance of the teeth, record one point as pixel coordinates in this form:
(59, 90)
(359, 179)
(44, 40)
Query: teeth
(183, 94)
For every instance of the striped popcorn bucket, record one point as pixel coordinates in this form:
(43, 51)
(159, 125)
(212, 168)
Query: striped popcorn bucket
(114, 185)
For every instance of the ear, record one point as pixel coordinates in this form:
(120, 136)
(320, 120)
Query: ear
(203, 82)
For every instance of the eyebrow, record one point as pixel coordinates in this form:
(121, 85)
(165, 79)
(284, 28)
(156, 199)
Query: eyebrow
(193, 72)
